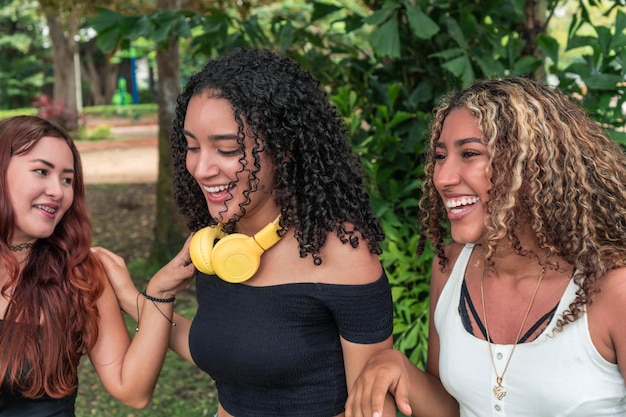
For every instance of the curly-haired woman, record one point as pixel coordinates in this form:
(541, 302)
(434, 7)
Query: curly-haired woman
(259, 151)
(528, 301)
(56, 303)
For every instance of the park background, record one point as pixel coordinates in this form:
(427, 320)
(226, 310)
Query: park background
(93, 64)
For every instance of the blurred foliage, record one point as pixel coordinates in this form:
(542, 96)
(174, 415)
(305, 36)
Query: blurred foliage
(24, 56)
(130, 112)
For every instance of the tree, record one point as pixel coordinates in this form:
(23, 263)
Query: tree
(65, 19)
(63, 32)
(167, 239)
(98, 72)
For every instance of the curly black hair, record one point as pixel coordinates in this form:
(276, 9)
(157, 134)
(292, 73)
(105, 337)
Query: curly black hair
(318, 179)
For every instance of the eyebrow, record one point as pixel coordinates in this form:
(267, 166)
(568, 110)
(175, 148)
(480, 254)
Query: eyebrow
(224, 136)
(51, 165)
(460, 142)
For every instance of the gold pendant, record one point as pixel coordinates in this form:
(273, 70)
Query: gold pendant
(499, 391)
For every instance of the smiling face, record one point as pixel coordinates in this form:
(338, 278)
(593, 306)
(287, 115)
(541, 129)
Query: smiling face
(461, 175)
(214, 160)
(40, 188)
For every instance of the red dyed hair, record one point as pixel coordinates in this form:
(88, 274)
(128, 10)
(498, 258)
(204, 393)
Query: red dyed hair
(52, 318)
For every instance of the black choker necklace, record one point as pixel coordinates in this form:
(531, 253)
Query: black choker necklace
(21, 246)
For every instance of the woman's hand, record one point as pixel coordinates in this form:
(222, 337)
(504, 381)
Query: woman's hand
(384, 372)
(170, 279)
(119, 277)
(174, 276)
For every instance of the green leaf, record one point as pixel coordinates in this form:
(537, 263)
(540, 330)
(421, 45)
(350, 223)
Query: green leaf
(526, 65)
(581, 42)
(602, 81)
(617, 136)
(447, 53)
(286, 36)
(133, 28)
(105, 19)
(619, 38)
(550, 47)
(456, 33)
(385, 40)
(108, 39)
(604, 38)
(321, 10)
(380, 16)
(460, 67)
(489, 66)
(423, 26)
(399, 117)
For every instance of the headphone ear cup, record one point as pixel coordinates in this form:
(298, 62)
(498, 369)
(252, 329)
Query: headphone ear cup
(201, 247)
(236, 257)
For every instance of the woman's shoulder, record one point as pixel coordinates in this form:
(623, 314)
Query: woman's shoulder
(606, 313)
(612, 287)
(349, 264)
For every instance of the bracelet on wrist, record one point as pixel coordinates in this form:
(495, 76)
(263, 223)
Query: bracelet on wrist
(158, 300)
(154, 301)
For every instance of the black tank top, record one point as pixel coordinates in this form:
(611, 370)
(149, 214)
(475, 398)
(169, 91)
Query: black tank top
(13, 404)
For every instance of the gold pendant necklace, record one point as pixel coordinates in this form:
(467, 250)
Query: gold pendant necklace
(499, 390)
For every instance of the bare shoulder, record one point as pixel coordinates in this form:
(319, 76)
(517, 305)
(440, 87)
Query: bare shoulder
(606, 316)
(612, 295)
(350, 265)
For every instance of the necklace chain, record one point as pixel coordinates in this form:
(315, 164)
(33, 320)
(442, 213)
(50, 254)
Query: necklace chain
(499, 390)
(21, 246)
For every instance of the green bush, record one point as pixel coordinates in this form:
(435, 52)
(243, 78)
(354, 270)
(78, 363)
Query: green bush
(26, 111)
(131, 111)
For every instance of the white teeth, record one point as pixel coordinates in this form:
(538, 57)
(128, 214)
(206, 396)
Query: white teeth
(46, 208)
(216, 189)
(461, 202)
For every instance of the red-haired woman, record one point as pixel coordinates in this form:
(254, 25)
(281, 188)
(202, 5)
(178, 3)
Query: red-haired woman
(55, 301)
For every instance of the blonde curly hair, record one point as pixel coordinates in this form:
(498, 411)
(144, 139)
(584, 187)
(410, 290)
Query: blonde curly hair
(553, 169)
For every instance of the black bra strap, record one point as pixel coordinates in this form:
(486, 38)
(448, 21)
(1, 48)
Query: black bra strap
(544, 319)
(465, 302)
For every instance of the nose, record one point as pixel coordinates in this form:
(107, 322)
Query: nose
(446, 174)
(54, 188)
(200, 165)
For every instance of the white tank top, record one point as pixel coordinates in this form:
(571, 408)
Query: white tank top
(558, 374)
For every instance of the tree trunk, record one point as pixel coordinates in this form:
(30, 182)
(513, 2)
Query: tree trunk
(534, 25)
(98, 73)
(170, 228)
(63, 50)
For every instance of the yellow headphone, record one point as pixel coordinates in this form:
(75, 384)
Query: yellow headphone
(235, 257)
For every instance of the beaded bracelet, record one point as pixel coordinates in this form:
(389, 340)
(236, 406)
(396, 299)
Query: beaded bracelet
(158, 300)
(154, 301)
